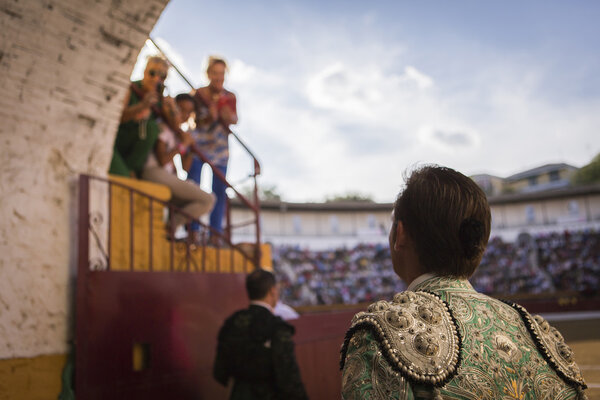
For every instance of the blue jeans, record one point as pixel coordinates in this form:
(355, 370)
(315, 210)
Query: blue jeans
(218, 188)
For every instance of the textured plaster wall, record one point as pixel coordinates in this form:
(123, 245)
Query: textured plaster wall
(64, 70)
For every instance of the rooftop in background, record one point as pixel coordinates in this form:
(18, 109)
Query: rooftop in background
(544, 169)
(539, 179)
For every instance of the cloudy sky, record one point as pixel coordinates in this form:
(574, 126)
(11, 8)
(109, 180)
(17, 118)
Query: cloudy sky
(344, 96)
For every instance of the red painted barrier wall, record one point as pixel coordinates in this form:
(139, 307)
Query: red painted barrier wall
(176, 318)
(318, 341)
(175, 315)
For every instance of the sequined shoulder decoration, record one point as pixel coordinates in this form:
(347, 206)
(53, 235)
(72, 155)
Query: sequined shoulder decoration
(417, 335)
(552, 346)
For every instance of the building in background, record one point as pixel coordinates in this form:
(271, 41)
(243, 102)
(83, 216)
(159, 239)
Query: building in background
(546, 177)
(539, 179)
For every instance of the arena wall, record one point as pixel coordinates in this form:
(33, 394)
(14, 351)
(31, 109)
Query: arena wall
(370, 222)
(64, 71)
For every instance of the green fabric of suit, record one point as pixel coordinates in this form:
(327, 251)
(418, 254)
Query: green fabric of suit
(499, 356)
(134, 141)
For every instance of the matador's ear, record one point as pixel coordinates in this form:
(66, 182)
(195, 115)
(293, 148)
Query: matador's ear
(401, 237)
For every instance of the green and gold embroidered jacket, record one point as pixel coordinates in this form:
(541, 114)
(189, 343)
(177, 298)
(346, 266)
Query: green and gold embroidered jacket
(446, 341)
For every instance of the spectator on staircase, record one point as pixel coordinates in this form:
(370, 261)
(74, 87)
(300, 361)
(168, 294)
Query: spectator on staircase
(139, 128)
(215, 112)
(160, 168)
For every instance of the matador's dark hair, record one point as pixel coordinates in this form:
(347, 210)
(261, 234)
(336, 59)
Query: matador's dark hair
(447, 216)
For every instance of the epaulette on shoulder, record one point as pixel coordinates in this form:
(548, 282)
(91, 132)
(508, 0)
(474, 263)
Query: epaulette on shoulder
(417, 334)
(552, 346)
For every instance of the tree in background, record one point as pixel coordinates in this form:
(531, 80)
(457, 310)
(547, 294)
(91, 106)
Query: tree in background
(269, 193)
(589, 173)
(350, 196)
(265, 193)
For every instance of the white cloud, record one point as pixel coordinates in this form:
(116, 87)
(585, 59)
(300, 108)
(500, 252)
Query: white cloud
(448, 138)
(339, 88)
(304, 145)
(422, 80)
(345, 109)
(240, 73)
(356, 128)
(349, 127)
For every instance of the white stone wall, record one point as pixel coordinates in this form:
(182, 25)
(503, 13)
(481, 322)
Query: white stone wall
(64, 70)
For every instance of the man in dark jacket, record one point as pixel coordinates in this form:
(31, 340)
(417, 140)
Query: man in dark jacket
(256, 349)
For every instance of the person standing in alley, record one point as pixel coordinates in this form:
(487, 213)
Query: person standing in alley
(255, 348)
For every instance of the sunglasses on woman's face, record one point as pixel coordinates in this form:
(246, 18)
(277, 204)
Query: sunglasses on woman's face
(154, 73)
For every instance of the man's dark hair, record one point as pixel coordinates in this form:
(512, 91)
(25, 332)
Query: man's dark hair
(185, 97)
(258, 283)
(447, 216)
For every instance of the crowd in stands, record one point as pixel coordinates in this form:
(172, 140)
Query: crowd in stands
(548, 263)
(572, 259)
(341, 276)
(511, 268)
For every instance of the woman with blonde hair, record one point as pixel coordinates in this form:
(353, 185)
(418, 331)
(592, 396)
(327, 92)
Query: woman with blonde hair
(215, 112)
